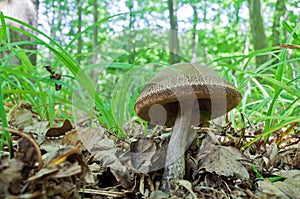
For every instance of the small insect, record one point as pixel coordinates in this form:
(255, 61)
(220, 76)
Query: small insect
(55, 76)
(289, 46)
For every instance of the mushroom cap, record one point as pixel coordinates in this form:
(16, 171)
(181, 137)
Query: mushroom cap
(185, 81)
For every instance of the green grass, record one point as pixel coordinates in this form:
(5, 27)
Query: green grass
(5, 136)
(32, 84)
(270, 91)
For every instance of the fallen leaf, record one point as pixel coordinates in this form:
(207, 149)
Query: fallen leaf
(38, 129)
(287, 173)
(72, 138)
(63, 154)
(289, 188)
(223, 160)
(188, 186)
(11, 176)
(105, 151)
(291, 185)
(21, 118)
(142, 153)
(46, 171)
(158, 194)
(68, 170)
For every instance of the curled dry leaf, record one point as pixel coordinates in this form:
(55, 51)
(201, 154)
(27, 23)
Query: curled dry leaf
(144, 154)
(38, 129)
(105, 151)
(68, 170)
(289, 188)
(45, 171)
(158, 194)
(10, 175)
(188, 186)
(21, 118)
(222, 160)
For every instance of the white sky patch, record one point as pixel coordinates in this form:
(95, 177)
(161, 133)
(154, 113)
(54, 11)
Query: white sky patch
(184, 15)
(185, 12)
(296, 10)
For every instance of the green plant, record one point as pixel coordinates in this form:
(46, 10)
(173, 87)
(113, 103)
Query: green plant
(25, 83)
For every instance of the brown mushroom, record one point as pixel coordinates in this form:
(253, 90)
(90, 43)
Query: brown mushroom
(181, 96)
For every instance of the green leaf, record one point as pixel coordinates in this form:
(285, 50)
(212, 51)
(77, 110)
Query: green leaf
(291, 31)
(269, 131)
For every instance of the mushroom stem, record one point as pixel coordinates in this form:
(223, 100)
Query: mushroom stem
(175, 161)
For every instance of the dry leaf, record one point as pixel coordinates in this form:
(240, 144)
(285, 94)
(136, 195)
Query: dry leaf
(222, 160)
(158, 195)
(68, 170)
(291, 185)
(289, 188)
(188, 186)
(143, 151)
(10, 176)
(46, 171)
(21, 118)
(38, 129)
(105, 151)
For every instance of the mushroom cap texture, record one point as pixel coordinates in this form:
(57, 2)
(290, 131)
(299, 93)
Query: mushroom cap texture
(185, 81)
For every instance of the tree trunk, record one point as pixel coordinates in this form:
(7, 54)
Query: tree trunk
(26, 11)
(195, 32)
(257, 30)
(96, 54)
(80, 45)
(279, 12)
(131, 32)
(174, 41)
(95, 31)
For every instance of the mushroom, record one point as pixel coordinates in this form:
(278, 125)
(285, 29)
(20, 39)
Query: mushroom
(181, 96)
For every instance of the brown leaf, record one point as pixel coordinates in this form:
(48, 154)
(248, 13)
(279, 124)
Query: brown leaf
(222, 160)
(63, 154)
(105, 151)
(143, 151)
(158, 195)
(45, 171)
(72, 138)
(11, 176)
(59, 131)
(21, 118)
(289, 188)
(188, 186)
(27, 154)
(57, 154)
(68, 170)
(38, 129)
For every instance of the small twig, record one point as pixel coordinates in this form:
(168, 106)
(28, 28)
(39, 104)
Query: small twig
(250, 194)
(287, 131)
(32, 141)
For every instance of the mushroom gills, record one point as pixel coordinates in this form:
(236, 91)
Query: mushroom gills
(203, 112)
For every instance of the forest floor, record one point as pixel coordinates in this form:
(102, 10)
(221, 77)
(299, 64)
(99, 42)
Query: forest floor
(85, 160)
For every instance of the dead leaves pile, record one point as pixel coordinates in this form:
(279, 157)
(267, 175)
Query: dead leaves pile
(90, 162)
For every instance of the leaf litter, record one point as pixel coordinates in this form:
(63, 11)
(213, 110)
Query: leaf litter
(81, 161)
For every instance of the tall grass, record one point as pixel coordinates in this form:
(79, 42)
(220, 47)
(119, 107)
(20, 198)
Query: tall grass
(35, 89)
(270, 92)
